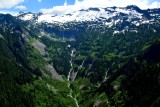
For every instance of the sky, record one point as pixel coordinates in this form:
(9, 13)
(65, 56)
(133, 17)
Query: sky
(66, 6)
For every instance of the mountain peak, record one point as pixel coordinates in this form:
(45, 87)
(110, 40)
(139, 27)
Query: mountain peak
(134, 7)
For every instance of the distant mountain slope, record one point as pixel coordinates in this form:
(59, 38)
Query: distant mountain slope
(101, 20)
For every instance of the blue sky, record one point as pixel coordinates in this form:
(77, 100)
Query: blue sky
(52, 6)
(33, 5)
(30, 4)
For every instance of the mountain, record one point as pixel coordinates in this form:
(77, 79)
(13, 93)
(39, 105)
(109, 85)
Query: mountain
(94, 14)
(95, 57)
(120, 18)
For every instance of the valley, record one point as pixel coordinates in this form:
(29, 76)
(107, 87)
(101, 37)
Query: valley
(107, 59)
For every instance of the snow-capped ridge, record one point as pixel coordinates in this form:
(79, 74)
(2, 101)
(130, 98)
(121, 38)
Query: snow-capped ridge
(89, 14)
(110, 16)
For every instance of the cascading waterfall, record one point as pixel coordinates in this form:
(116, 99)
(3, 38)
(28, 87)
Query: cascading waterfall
(69, 78)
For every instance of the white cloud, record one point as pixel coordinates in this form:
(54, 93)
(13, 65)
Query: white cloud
(21, 7)
(39, 0)
(9, 12)
(9, 3)
(84, 4)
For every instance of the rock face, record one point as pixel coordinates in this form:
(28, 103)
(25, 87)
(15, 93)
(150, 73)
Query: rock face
(55, 75)
(40, 47)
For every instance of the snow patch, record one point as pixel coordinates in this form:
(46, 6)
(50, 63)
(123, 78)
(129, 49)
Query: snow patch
(27, 17)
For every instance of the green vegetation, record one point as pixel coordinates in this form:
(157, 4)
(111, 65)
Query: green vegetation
(49, 93)
(120, 70)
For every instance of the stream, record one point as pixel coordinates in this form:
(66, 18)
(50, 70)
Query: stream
(69, 78)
